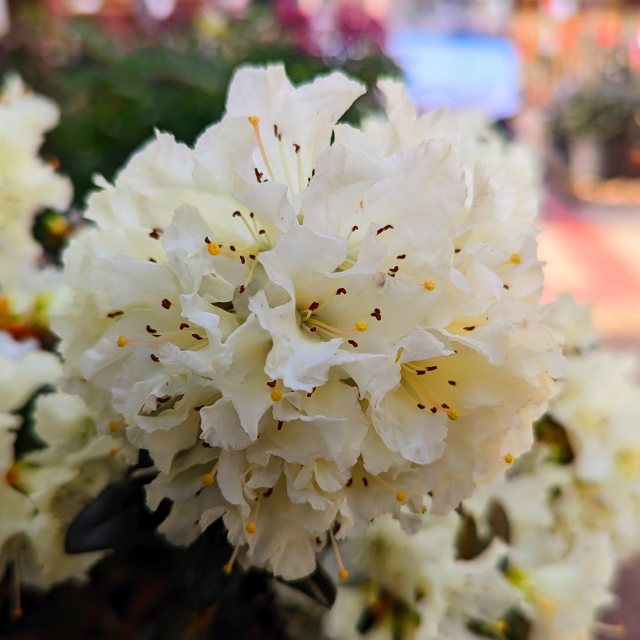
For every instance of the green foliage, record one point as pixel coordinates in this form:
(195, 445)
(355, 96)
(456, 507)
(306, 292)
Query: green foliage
(603, 113)
(113, 93)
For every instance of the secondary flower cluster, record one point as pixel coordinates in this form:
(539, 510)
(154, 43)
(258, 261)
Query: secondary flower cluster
(304, 334)
(27, 183)
(60, 463)
(534, 554)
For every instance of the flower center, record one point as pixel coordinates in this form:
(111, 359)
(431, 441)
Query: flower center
(311, 321)
(414, 384)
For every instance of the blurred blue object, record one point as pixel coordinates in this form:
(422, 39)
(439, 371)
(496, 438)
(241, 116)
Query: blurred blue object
(460, 71)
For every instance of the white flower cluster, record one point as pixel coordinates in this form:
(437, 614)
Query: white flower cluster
(27, 183)
(594, 425)
(41, 490)
(413, 587)
(416, 587)
(304, 334)
(546, 539)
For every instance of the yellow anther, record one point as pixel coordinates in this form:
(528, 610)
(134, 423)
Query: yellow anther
(508, 458)
(401, 496)
(213, 248)
(207, 479)
(11, 477)
(254, 120)
(343, 574)
(429, 285)
(276, 394)
(453, 414)
(517, 577)
(122, 341)
(16, 613)
(228, 566)
(58, 226)
(114, 425)
(424, 509)
(361, 325)
(515, 258)
(250, 527)
(546, 604)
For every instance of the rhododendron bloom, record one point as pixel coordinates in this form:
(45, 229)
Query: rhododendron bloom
(305, 334)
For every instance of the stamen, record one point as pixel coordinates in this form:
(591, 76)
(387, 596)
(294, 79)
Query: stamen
(251, 527)
(252, 231)
(209, 478)
(360, 326)
(343, 574)
(299, 167)
(249, 278)
(422, 394)
(401, 496)
(213, 248)
(115, 425)
(515, 258)
(283, 160)
(429, 285)
(177, 338)
(228, 567)
(508, 458)
(255, 123)
(276, 391)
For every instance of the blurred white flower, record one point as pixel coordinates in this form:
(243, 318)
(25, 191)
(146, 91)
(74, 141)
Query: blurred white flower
(27, 183)
(43, 491)
(415, 586)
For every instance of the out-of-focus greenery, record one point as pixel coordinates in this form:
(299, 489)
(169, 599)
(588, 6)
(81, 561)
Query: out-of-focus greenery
(114, 91)
(601, 113)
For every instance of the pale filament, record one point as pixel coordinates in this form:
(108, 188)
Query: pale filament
(255, 123)
(251, 526)
(424, 396)
(343, 574)
(228, 567)
(182, 339)
(285, 164)
(327, 327)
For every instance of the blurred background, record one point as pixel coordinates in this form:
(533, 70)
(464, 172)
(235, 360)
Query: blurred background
(562, 76)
